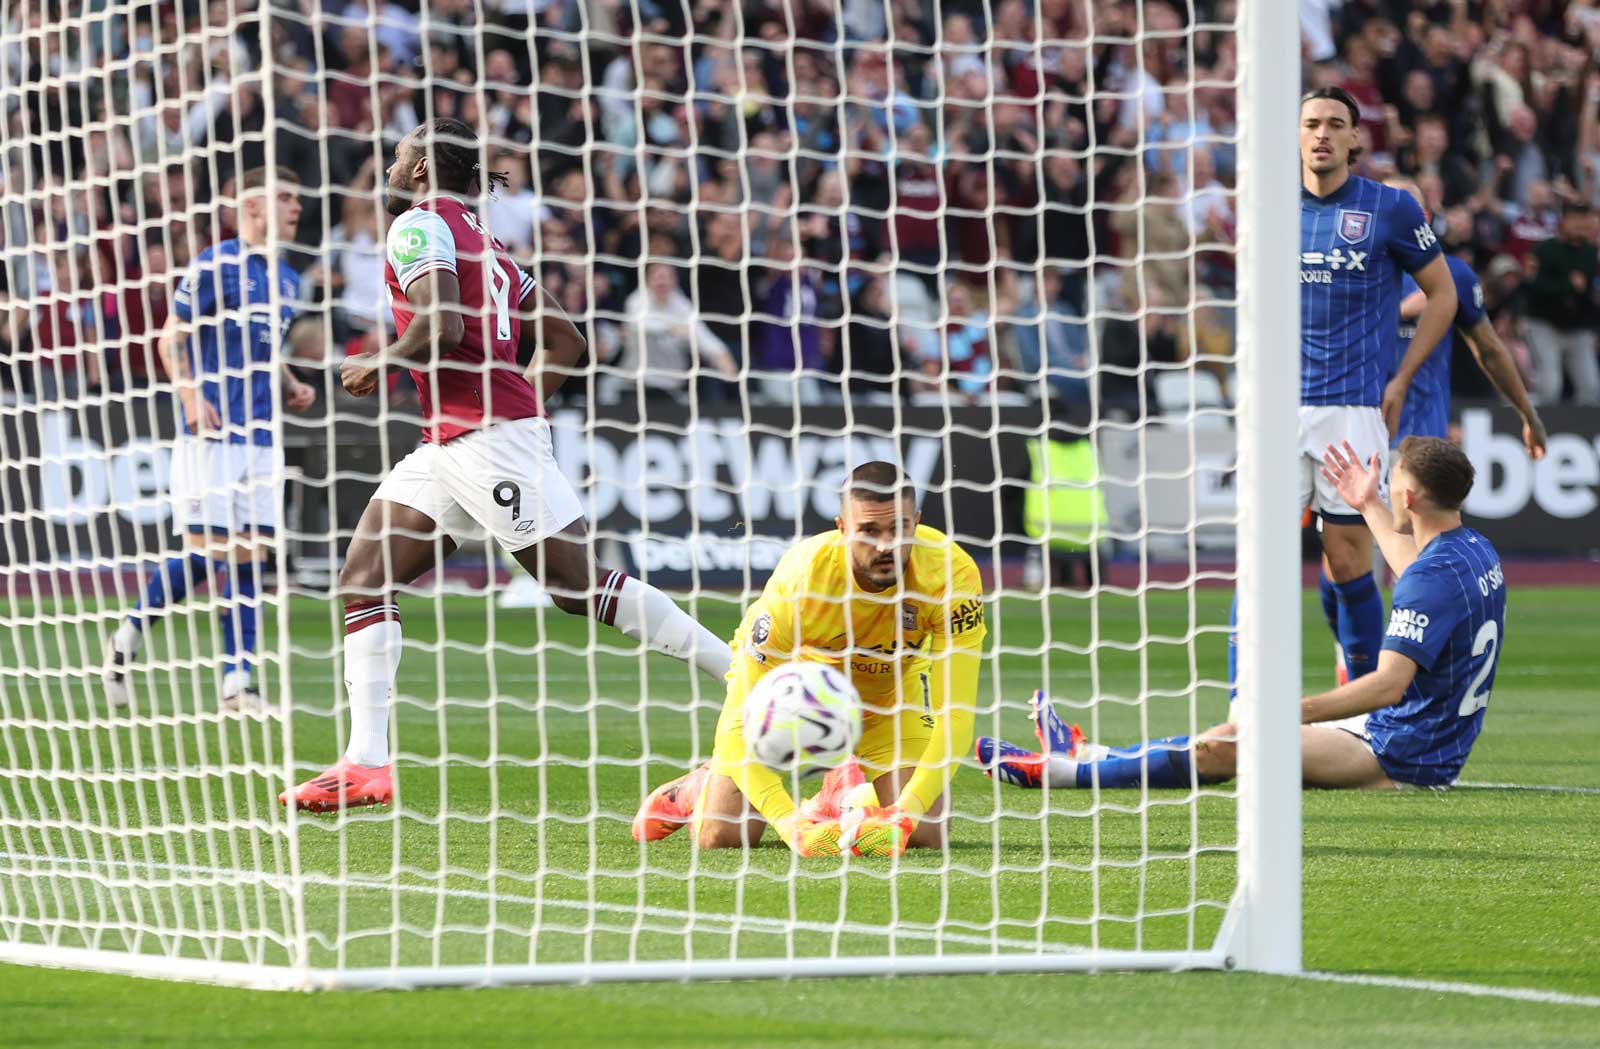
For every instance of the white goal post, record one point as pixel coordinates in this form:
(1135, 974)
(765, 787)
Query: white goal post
(872, 225)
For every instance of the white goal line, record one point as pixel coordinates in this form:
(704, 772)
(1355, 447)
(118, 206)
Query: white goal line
(1476, 990)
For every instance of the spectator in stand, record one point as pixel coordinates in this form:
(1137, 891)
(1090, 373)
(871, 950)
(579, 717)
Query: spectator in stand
(967, 356)
(142, 312)
(1051, 341)
(1152, 240)
(1525, 226)
(789, 353)
(512, 211)
(721, 283)
(1429, 155)
(356, 274)
(65, 327)
(664, 341)
(919, 196)
(868, 359)
(1561, 309)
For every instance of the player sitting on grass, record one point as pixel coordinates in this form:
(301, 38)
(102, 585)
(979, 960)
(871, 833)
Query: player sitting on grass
(1425, 700)
(898, 607)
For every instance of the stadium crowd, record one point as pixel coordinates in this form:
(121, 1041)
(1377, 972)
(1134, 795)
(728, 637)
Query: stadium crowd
(721, 196)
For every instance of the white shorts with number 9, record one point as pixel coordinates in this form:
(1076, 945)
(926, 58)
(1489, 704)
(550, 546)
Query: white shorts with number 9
(500, 481)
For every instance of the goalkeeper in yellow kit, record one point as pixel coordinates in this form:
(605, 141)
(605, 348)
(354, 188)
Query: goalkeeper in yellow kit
(897, 607)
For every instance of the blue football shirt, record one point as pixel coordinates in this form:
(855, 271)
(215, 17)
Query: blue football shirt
(226, 296)
(1354, 245)
(1427, 408)
(1449, 618)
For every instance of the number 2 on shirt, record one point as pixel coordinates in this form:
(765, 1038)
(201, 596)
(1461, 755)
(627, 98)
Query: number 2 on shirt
(1488, 640)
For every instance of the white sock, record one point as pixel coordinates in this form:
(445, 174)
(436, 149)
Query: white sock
(128, 638)
(1060, 771)
(371, 660)
(654, 619)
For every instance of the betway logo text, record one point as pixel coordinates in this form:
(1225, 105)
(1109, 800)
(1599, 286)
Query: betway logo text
(721, 472)
(79, 480)
(1562, 484)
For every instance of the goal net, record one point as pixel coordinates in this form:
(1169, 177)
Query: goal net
(1035, 254)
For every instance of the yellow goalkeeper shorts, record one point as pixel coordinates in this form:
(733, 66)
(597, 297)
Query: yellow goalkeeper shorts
(889, 739)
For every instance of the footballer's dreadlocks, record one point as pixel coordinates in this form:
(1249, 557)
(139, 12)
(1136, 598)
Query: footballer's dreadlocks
(452, 149)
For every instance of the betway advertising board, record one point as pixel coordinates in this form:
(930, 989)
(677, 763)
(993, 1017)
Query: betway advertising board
(1548, 507)
(720, 497)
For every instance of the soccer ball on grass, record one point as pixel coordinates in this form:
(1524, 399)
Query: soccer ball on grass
(802, 718)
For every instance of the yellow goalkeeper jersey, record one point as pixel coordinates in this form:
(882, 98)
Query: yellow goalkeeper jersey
(812, 608)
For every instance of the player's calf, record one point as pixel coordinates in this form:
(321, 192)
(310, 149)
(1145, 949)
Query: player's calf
(580, 587)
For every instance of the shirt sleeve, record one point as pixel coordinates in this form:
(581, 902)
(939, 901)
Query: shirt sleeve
(1469, 296)
(527, 286)
(420, 242)
(1427, 605)
(1411, 240)
(197, 291)
(955, 654)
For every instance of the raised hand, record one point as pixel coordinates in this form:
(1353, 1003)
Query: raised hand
(1357, 485)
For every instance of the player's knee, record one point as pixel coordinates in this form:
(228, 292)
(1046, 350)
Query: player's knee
(1216, 754)
(361, 577)
(1348, 557)
(570, 603)
(930, 834)
(568, 585)
(715, 833)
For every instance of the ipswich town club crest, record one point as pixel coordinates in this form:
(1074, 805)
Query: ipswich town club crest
(1353, 226)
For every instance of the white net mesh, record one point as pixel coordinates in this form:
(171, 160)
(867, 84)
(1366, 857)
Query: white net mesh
(991, 243)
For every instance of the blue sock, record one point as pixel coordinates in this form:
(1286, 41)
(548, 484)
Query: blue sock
(239, 615)
(1168, 768)
(1330, 601)
(1233, 648)
(1134, 750)
(1360, 628)
(169, 585)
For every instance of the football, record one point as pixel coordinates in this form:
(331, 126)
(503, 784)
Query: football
(802, 717)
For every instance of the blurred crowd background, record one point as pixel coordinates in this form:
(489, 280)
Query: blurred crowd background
(977, 200)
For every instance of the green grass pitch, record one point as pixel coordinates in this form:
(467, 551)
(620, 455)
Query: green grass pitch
(1476, 886)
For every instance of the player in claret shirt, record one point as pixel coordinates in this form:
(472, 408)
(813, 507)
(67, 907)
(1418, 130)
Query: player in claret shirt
(485, 464)
(1424, 703)
(1357, 237)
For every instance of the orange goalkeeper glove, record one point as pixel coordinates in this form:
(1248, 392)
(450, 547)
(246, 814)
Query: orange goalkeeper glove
(812, 837)
(877, 830)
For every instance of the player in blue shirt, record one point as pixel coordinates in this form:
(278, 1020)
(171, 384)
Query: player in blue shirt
(1423, 703)
(1427, 407)
(1357, 237)
(221, 349)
